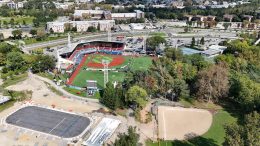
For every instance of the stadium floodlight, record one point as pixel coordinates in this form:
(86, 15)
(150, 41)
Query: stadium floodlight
(105, 63)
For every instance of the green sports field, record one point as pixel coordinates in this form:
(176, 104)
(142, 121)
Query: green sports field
(134, 63)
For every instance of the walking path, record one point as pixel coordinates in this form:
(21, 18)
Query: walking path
(60, 89)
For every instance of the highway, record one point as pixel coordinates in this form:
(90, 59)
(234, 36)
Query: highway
(197, 34)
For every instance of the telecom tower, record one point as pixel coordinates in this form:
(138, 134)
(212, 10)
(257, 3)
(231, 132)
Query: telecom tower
(105, 64)
(109, 33)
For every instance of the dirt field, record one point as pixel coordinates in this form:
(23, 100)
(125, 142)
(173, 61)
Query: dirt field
(182, 123)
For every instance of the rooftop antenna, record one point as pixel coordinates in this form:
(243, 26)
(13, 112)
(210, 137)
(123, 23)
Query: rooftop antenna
(105, 63)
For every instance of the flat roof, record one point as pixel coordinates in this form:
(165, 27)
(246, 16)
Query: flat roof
(49, 121)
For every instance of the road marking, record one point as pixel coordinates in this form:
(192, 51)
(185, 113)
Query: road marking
(57, 125)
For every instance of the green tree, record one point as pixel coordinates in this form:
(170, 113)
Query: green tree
(1, 37)
(129, 139)
(17, 34)
(92, 29)
(137, 96)
(193, 41)
(202, 41)
(43, 63)
(2, 59)
(247, 134)
(155, 41)
(245, 92)
(33, 32)
(15, 61)
(109, 97)
(174, 53)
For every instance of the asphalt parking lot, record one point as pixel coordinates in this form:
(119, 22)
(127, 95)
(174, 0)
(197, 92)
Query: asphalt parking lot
(49, 121)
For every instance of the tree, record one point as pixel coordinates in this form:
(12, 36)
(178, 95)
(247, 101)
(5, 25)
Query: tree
(155, 41)
(17, 34)
(193, 41)
(1, 37)
(137, 96)
(212, 83)
(202, 41)
(247, 134)
(2, 59)
(43, 63)
(226, 25)
(174, 53)
(110, 97)
(245, 92)
(129, 139)
(92, 29)
(41, 34)
(15, 61)
(33, 32)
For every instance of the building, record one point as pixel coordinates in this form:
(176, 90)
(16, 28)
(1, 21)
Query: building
(15, 5)
(59, 27)
(102, 14)
(91, 87)
(228, 18)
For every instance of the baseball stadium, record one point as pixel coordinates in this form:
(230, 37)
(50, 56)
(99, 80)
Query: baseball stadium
(84, 63)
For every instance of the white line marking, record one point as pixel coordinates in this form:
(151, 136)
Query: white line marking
(57, 125)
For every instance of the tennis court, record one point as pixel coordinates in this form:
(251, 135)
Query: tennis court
(49, 121)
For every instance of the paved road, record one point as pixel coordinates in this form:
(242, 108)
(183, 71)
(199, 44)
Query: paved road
(196, 33)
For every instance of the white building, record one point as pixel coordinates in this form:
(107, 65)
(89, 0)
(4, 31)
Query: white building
(102, 25)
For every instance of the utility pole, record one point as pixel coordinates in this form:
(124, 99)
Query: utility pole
(105, 63)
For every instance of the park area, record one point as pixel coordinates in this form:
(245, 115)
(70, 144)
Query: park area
(91, 65)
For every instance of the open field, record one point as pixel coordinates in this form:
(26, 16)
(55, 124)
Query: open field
(28, 20)
(214, 136)
(182, 123)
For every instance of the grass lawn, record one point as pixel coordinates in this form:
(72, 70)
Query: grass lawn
(84, 75)
(6, 105)
(50, 38)
(15, 79)
(20, 19)
(140, 63)
(214, 137)
(162, 34)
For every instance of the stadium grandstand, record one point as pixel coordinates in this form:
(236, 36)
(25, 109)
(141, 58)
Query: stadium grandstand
(72, 54)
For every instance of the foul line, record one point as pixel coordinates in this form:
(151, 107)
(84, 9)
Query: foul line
(57, 125)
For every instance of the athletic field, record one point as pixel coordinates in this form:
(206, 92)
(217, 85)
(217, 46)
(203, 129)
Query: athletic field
(117, 62)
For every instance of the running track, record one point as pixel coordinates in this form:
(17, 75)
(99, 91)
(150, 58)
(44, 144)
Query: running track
(77, 70)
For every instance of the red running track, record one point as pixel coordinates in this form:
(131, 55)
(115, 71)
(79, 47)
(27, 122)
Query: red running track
(77, 70)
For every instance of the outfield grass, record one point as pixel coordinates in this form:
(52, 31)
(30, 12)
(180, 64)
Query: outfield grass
(84, 75)
(140, 63)
(135, 63)
(214, 137)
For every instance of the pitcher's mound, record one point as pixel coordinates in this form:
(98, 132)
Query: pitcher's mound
(176, 123)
